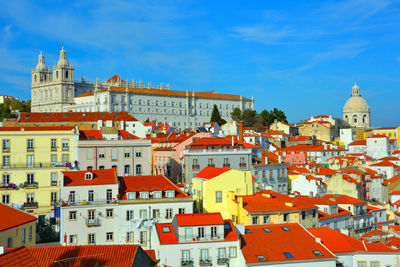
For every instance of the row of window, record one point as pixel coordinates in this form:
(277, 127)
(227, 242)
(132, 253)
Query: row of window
(30, 198)
(9, 240)
(30, 179)
(114, 153)
(280, 173)
(127, 169)
(30, 161)
(204, 254)
(265, 219)
(91, 238)
(30, 145)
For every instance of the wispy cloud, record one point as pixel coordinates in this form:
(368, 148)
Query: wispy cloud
(263, 33)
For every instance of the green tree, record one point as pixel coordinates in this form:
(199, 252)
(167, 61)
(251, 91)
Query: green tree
(279, 115)
(216, 117)
(269, 117)
(250, 117)
(236, 114)
(46, 232)
(148, 120)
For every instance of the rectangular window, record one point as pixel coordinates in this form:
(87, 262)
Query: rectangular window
(127, 153)
(65, 157)
(129, 215)
(218, 196)
(89, 153)
(91, 239)
(30, 233)
(72, 215)
(168, 214)
(30, 161)
(30, 197)
(131, 195)
(201, 232)
(53, 179)
(181, 211)
(254, 219)
(29, 145)
(72, 197)
(73, 239)
(6, 161)
(109, 195)
(138, 169)
(90, 196)
(6, 179)
(102, 153)
(129, 237)
(143, 214)
(114, 154)
(53, 198)
(156, 213)
(138, 152)
(91, 215)
(286, 217)
(213, 231)
(53, 158)
(109, 236)
(65, 145)
(266, 219)
(143, 238)
(30, 178)
(232, 252)
(361, 264)
(53, 144)
(6, 145)
(5, 199)
(188, 234)
(221, 253)
(374, 263)
(170, 194)
(109, 213)
(204, 254)
(157, 194)
(186, 256)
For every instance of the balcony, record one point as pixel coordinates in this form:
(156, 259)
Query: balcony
(53, 149)
(187, 262)
(242, 165)
(65, 148)
(8, 186)
(93, 222)
(223, 260)
(36, 165)
(31, 185)
(6, 149)
(205, 262)
(211, 165)
(84, 202)
(53, 183)
(195, 167)
(226, 165)
(30, 149)
(31, 205)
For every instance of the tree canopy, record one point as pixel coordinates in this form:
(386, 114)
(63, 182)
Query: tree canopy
(10, 108)
(252, 118)
(216, 116)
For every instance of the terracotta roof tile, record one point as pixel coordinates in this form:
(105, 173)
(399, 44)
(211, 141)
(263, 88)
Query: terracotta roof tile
(100, 177)
(211, 172)
(33, 117)
(193, 219)
(11, 218)
(37, 128)
(343, 199)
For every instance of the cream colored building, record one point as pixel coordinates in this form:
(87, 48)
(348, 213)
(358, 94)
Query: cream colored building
(32, 159)
(17, 228)
(356, 112)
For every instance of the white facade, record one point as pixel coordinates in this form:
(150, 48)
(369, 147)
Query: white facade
(356, 259)
(56, 91)
(346, 136)
(230, 128)
(309, 187)
(378, 147)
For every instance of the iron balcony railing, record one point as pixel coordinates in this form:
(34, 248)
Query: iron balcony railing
(187, 262)
(31, 205)
(92, 222)
(222, 260)
(35, 165)
(7, 186)
(85, 202)
(31, 185)
(242, 165)
(206, 262)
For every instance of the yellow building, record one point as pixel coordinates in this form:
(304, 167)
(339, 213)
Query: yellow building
(211, 187)
(271, 207)
(17, 228)
(32, 159)
(391, 132)
(322, 130)
(344, 184)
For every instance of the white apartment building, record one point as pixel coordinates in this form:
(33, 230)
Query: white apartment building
(99, 209)
(198, 239)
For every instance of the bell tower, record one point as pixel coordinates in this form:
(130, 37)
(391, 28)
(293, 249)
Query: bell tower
(41, 78)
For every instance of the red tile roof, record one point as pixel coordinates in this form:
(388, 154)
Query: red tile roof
(362, 142)
(299, 138)
(378, 136)
(341, 212)
(392, 180)
(395, 193)
(127, 135)
(98, 255)
(211, 172)
(100, 177)
(115, 78)
(385, 163)
(193, 219)
(74, 116)
(148, 183)
(272, 245)
(90, 135)
(11, 218)
(341, 243)
(343, 199)
(37, 128)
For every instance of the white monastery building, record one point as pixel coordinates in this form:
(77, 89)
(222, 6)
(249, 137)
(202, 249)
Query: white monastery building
(56, 91)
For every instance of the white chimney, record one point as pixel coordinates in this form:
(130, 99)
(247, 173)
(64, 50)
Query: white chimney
(280, 159)
(233, 142)
(1, 250)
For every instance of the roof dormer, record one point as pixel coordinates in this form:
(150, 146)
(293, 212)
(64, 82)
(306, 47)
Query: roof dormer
(88, 176)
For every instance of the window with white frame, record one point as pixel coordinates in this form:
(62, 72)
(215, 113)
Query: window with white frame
(102, 153)
(73, 239)
(65, 144)
(144, 195)
(129, 215)
(91, 239)
(109, 213)
(5, 199)
(129, 237)
(143, 238)
(232, 252)
(127, 153)
(157, 194)
(218, 196)
(143, 214)
(6, 178)
(114, 154)
(168, 213)
(109, 236)
(170, 194)
(131, 195)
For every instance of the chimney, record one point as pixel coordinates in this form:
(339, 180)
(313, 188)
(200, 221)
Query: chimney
(233, 141)
(280, 159)
(241, 131)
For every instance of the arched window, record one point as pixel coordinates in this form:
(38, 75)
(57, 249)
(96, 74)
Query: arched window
(346, 118)
(35, 77)
(56, 74)
(66, 74)
(355, 119)
(364, 118)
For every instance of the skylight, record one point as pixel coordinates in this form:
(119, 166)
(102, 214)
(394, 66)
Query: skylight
(261, 258)
(318, 253)
(166, 229)
(284, 228)
(267, 230)
(288, 255)
(247, 231)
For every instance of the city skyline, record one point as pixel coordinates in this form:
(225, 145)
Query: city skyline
(302, 58)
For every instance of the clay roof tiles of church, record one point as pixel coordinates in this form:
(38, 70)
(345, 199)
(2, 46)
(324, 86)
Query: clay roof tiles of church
(74, 116)
(147, 91)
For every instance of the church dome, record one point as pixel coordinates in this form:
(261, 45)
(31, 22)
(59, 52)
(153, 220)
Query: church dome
(356, 104)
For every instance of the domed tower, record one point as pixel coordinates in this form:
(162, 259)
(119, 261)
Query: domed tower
(356, 110)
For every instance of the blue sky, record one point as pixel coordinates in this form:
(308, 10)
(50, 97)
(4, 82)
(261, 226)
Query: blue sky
(299, 56)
